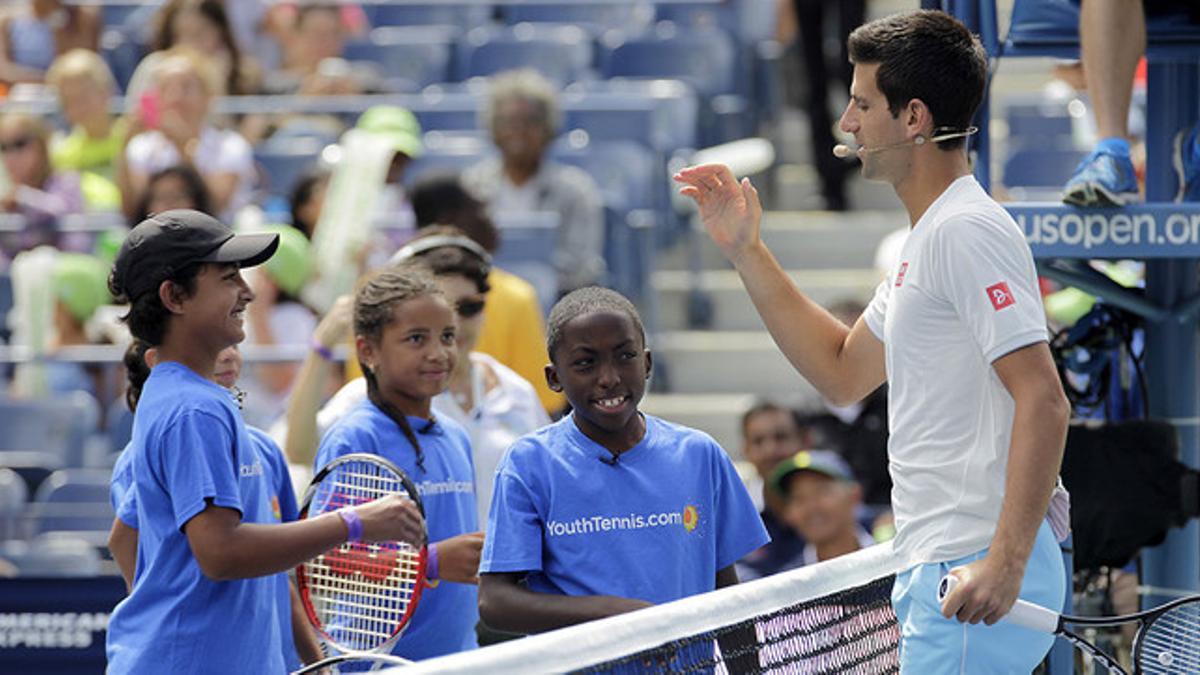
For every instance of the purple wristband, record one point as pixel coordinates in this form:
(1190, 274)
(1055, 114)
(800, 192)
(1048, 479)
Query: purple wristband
(325, 352)
(354, 528)
(431, 569)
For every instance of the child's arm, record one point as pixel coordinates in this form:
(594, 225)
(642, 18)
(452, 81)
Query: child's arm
(505, 604)
(458, 558)
(226, 548)
(307, 646)
(122, 542)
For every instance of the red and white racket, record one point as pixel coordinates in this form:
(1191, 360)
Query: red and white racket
(360, 596)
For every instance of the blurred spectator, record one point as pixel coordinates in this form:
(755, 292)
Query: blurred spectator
(1113, 39)
(84, 85)
(822, 498)
(806, 21)
(203, 25)
(35, 191)
(513, 329)
(185, 85)
(307, 200)
(770, 434)
(278, 317)
(313, 47)
(34, 32)
(523, 117)
(858, 432)
(175, 187)
(399, 129)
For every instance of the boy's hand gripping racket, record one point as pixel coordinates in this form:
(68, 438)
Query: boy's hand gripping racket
(1167, 640)
(360, 596)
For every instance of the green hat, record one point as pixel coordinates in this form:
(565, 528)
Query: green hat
(824, 462)
(292, 265)
(81, 284)
(399, 126)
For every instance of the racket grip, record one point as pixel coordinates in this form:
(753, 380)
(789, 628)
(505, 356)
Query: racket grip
(1024, 613)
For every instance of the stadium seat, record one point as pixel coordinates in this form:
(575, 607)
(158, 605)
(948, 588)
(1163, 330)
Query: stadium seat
(33, 467)
(527, 243)
(86, 517)
(705, 58)
(670, 125)
(416, 55)
(74, 486)
(427, 14)
(594, 18)
(284, 160)
(118, 420)
(448, 152)
(122, 53)
(562, 53)
(116, 13)
(13, 496)
(59, 428)
(6, 304)
(53, 557)
(750, 20)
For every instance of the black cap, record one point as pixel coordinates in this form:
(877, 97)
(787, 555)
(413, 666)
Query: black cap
(166, 242)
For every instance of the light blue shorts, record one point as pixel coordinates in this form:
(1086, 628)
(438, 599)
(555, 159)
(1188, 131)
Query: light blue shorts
(931, 644)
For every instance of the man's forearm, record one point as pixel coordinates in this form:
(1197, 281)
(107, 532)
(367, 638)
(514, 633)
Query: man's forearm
(1034, 458)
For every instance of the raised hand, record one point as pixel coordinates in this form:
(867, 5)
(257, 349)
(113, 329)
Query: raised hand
(392, 518)
(334, 328)
(730, 210)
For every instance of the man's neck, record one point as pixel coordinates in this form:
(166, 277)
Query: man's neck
(198, 357)
(928, 178)
(846, 542)
(521, 174)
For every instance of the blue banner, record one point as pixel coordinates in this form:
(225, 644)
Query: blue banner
(1162, 230)
(56, 626)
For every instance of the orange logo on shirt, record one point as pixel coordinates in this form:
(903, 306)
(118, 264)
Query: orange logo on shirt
(275, 510)
(691, 518)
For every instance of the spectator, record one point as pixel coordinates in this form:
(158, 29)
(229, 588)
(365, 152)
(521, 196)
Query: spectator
(203, 25)
(313, 49)
(84, 85)
(34, 32)
(175, 187)
(278, 317)
(523, 117)
(770, 434)
(399, 129)
(185, 85)
(36, 192)
(822, 497)
(307, 200)
(513, 329)
(1113, 39)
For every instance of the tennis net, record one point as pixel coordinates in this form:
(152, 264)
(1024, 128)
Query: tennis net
(834, 617)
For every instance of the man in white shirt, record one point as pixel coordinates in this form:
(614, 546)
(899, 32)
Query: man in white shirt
(976, 411)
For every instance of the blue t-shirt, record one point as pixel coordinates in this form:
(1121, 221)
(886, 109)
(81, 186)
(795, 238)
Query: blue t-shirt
(657, 525)
(189, 449)
(445, 618)
(283, 509)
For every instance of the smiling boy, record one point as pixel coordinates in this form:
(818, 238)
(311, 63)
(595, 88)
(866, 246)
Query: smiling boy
(608, 510)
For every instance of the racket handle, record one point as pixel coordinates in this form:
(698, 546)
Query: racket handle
(1024, 613)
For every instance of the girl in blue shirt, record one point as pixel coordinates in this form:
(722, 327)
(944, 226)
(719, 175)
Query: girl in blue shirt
(208, 543)
(405, 335)
(608, 510)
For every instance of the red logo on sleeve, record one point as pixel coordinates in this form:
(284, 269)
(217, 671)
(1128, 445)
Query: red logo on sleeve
(1000, 296)
(900, 274)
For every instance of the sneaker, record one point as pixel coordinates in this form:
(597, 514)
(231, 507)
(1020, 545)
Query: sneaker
(1102, 179)
(1186, 160)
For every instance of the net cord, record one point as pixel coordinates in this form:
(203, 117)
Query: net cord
(612, 638)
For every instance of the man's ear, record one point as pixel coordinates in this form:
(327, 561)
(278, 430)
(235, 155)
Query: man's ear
(649, 362)
(172, 296)
(552, 378)
(918, 118)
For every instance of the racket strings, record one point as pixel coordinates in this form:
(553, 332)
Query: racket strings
(361, 592)
(1171, 643)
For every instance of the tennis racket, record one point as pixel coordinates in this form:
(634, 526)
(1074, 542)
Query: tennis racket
(1167, 640)
(360, 596)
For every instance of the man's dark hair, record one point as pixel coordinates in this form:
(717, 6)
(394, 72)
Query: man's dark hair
(147, 316)
(451, 260)
(927, 55)
(588, 300)
(767, 407)
(439, 198)
(192, 181)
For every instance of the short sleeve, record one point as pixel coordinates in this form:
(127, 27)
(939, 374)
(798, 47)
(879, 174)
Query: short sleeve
(989, 277)
(335, 444)
(288, 511)
(741, 529)
(876, 311)
(198, 465)
(126, 510)
(514, 533)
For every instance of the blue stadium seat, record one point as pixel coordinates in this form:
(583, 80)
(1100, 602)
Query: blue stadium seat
(59, 427)
(417, 55)
(562, 53)
(33, 467)
(13, 496)
(595, 17)
(53, 557)
(705, 58)
(448, 152)
(6, 304)
(750, 20)
(74, 486)
(448, 108)
(284, 160)
(85, 517)
(115, 13)
(118, 420)
(527, 243)
(670, 123)
(428, 14)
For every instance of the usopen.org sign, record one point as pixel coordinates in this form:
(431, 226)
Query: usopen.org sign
(1139, 231)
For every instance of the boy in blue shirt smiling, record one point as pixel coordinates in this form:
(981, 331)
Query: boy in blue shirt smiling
(608, 510)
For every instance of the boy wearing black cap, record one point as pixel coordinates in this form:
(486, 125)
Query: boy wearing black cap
(202, 597)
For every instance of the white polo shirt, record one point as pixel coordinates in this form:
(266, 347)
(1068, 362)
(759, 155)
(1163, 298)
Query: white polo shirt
(962, 294)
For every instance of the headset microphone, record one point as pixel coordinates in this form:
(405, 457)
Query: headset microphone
(843, 151)
(611, 460)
